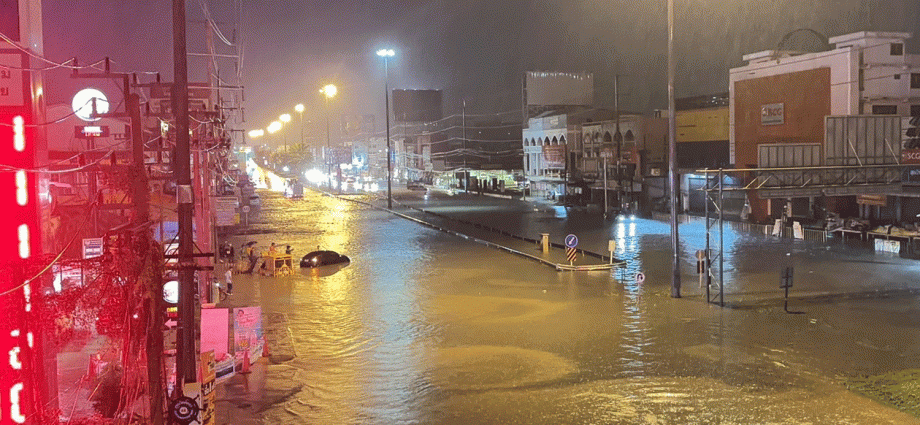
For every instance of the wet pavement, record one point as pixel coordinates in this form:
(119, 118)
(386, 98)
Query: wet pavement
(426, 327)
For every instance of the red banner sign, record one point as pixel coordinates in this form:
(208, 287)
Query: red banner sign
(910, 156)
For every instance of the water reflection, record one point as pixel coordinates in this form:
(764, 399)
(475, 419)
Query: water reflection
(424, 327)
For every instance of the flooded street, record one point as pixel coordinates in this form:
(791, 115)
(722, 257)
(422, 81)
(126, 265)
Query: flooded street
(426, 327)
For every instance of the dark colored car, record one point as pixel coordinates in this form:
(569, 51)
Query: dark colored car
(323, 258)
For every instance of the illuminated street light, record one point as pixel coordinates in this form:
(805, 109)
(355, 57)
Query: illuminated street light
(300, 108)
(329, 90)
(385, 54)
(285, 118)
(274, 127)
(255, 134)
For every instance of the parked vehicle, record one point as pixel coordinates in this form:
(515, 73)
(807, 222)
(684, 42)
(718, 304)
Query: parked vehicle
(322, 258)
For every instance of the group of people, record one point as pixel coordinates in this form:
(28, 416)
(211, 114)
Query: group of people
(254, 258)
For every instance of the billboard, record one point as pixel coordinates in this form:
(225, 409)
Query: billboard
(417, 105)
(358, 125)
(559, 88)
(554, 156)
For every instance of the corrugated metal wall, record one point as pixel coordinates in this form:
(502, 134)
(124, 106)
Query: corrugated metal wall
(862, 139)
(781, 155)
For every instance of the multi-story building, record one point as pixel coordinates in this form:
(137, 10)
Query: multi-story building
(780, 101)
(553, 149)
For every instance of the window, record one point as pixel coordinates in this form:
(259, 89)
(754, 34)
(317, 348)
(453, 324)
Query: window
(897, 49)
(897, 76)
(915, 110)
(884, 109)
(915, 80)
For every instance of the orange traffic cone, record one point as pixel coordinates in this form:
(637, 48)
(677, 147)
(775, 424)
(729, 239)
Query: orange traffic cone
(245, 368)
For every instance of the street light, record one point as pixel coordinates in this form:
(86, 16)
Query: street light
(385, 54)
(329, 90)
(285, 118)
(255, 134)
(273, 127)
(300, 108)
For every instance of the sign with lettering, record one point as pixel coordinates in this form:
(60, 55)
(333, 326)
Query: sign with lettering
(772, 114)
(879, 200)
(225, 210)
(92, 248)
(208, 393)
(554, 156)
(247, 332)
(12, 88)
(910, 156)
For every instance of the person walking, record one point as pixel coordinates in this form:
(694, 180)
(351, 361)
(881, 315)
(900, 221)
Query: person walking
(228, 279)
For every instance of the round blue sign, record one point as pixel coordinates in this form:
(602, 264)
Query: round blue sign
(571, 241)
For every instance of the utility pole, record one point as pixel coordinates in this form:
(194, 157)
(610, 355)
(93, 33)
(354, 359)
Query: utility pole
(618, 136)
(185, 342)
(672, 158)
(328, 155)
(386, 95)
(140, 193)
(463, 113)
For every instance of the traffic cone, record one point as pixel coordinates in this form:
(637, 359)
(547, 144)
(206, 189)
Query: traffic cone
(265, 352)
(245, 368)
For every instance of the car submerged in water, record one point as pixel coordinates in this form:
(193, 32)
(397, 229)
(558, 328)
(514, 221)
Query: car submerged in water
(323, 258)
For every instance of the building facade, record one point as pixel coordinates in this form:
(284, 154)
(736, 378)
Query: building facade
(781, 101)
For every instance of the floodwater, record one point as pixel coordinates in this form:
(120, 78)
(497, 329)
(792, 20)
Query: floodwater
(425, 327)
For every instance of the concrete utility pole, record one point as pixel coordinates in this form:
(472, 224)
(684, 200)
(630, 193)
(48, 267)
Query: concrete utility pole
(463, 113)
(386, 95)
(618, 136)
(186, 357)
(672, 158)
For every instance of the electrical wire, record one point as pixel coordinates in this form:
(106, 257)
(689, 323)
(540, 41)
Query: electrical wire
(48, 61)
(54, 261)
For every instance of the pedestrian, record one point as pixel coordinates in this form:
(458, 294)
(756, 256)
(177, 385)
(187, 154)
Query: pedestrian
(272, 249)
(288, 250)
(228, 277)
(251, 252)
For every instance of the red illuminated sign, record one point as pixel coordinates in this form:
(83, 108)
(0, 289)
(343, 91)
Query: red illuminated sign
(19, 242)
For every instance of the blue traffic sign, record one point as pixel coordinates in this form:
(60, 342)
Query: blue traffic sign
(571, 241)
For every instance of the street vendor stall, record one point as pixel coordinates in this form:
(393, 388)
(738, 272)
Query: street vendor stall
(276, 264)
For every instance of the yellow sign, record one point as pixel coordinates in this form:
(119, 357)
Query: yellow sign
(208, 393)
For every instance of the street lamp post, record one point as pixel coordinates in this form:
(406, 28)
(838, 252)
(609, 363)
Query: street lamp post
(285, 118)
(385, 54)
(329, 90)
(300, 108)
(672, 158)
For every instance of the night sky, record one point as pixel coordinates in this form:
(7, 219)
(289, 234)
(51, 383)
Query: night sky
(472, 49)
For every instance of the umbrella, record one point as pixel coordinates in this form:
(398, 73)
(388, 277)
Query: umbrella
(251, 243)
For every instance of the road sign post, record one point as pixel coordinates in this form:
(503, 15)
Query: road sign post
(611, 246)
(571, 241)
(785, 282)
